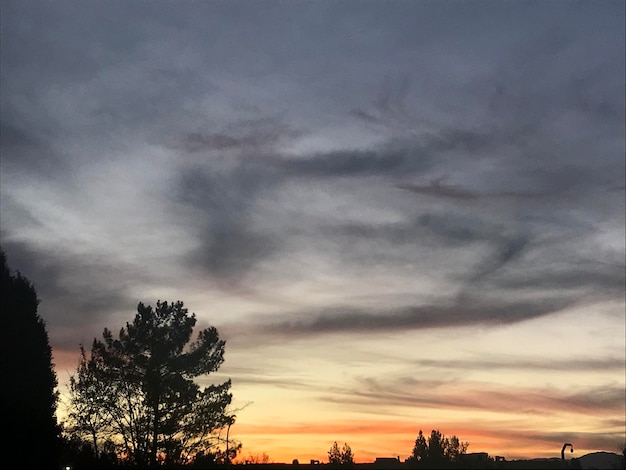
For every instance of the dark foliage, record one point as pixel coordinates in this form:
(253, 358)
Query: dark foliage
(29, 381)
(437, 449)
(343, 456)
(138, 389)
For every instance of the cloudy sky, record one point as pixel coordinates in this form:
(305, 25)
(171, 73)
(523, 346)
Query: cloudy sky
(401, 215)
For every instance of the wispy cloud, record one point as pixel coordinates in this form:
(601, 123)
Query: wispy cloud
(465, 310)
(414, 392)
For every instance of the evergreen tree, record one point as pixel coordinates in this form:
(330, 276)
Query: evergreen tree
(29, 380)
(437, 448)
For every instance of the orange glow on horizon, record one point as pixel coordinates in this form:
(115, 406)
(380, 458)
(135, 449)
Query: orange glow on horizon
(371, 439)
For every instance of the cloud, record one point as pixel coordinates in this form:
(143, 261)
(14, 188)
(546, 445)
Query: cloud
(438, 190)
(411, 392)
(26, 149)
(594, 277)
(76, 291)
(252, 135)
(507, 251)
(579, 364)
(348, 163)
(223, 201)
(465, 310)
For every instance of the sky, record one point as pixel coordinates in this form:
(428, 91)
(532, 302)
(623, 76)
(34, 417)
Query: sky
(400, 215)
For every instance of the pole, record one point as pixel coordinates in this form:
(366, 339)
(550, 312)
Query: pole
(227, 433)
(565, 447)
(231, 421)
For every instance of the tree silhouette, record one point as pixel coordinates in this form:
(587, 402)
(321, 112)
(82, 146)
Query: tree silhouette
(420, 450)
(437, 448)
(88, 419)
(139, 388)
(29, 380)
(258, 458)
(343, 456)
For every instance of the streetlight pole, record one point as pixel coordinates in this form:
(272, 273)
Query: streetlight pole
(565, 446)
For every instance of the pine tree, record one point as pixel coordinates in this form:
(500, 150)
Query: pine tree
(29, 380)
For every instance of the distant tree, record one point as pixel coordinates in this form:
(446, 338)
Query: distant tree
(453, 448)
(139, 389)
(257, 458)
(334, 454)
(340, 456)
(420, 449)
(347, 457)
(437, 448)
(214, 456)
(29, 381)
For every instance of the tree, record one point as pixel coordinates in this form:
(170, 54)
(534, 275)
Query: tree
(420, 450)
(437, 448)
(29, 384)
(341, 456)
(139, 388)
(262, 458)
(346, 455)
(88, 419)
(453, 448)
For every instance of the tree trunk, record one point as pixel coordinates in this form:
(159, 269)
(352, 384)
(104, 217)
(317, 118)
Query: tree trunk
(155, 435)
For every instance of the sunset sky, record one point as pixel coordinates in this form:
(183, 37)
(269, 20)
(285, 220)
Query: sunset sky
(401, 215)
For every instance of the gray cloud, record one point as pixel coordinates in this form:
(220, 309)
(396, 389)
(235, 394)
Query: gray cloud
(436, 189)
(465, 310)
(230, 245)
(75, 291)
(27, 150)
(256, 134)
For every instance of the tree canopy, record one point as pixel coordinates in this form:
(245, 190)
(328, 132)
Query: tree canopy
(138, 388)
(340, 456)
(29, 381)
(437, 448)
